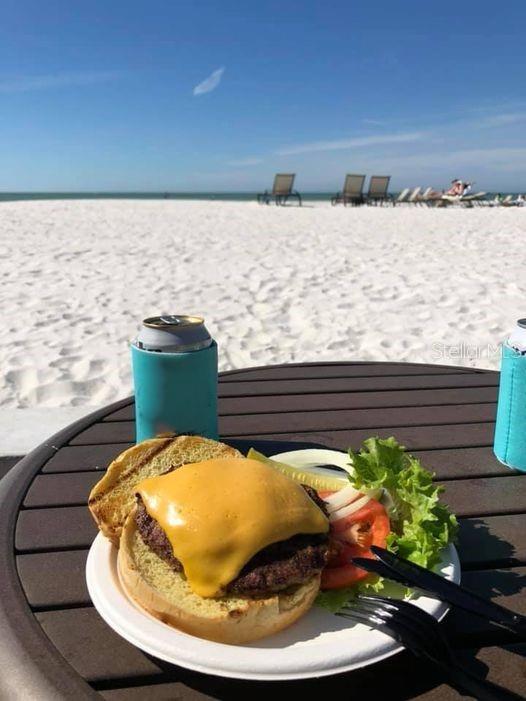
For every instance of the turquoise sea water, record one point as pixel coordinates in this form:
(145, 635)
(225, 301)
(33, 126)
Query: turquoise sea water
(225, 196)
(221, 196)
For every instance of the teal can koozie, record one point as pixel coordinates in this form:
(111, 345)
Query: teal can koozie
(510, 428)
(174, 362)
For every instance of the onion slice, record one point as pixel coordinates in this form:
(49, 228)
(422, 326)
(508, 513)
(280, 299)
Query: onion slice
(349, 509)
(341, 498)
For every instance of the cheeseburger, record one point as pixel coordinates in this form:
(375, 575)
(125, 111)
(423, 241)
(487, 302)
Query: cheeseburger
(222, 547)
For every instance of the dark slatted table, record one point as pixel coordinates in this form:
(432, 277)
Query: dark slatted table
(55, 646)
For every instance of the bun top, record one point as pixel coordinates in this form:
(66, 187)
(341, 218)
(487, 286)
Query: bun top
(113, 497)
(217, 514)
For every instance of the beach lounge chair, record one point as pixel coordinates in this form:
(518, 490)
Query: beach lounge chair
(414, 195)
(402, 196)
(428, 197)
(352, 191)
(423, 199)
(476, 199)
(464, 200)
(507, 201)
(378, 185)
(281, 190)
(446, 200)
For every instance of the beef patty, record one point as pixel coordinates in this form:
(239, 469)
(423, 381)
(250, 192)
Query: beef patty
(276, 567)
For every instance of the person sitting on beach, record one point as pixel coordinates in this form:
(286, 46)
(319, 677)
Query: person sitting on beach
(458, 188)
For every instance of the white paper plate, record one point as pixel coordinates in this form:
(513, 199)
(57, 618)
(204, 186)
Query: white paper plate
(317, 645)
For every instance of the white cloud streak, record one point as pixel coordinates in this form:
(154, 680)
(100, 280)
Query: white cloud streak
(502, 120)
(55, 81)
(209, 83)
(473, 160)
(356, 142)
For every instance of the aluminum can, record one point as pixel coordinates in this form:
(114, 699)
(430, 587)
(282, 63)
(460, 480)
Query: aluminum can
(510, 428)
(174, 361)
(517, 339)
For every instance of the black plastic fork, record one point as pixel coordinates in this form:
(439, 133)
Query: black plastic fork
(421, 633)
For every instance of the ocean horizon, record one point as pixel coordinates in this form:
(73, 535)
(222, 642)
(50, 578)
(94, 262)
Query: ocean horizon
(243, 196)
(117, 195)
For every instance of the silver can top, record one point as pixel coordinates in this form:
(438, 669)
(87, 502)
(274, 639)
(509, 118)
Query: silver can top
(517, 340)
(173, 333)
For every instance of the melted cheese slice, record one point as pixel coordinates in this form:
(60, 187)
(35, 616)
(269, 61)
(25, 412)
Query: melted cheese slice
(217, 514)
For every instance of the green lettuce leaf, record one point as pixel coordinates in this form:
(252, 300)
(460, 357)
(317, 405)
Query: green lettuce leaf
(420, 525)
(334, 599)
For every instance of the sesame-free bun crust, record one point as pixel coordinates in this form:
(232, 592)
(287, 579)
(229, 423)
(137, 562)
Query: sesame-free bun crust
(113, 497)
(165, 594)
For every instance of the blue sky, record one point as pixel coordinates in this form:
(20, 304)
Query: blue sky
(219, 95)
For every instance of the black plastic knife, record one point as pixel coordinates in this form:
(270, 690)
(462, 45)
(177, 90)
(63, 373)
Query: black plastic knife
(407, 573)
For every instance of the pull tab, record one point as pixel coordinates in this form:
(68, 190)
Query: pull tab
(172, 320)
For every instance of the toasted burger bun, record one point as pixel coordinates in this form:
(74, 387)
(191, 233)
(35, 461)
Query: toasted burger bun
(164, 593)
(112, 499)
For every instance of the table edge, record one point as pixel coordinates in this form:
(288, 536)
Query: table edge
(325, 363)
(36, 668)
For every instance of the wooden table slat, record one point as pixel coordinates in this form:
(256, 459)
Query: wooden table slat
(461, 462)
(491, 541)
(67, 627)
(446, 463)
(466, 497)
(43, 585)
(412, 437)
(416, 437)
(91, 646)
(485, 496)
(505, 587)
(339, 400)
(61, 489)
(288, 422)
(308, 372)
(398, 678)
(54, 529)
(109, 433)
(82, 458)
(169, 691)
(356, 384)
(280, 403)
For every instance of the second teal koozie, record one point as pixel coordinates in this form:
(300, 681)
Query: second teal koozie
(510, 429)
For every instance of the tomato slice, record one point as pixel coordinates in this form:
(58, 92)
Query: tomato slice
(340, 552)
(352, 536)
(345, 574)
(367, 526)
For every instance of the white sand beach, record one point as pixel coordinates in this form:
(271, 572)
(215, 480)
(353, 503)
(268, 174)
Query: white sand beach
(275, 285)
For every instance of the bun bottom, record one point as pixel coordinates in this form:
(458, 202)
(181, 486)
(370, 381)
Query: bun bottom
(165, 594)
